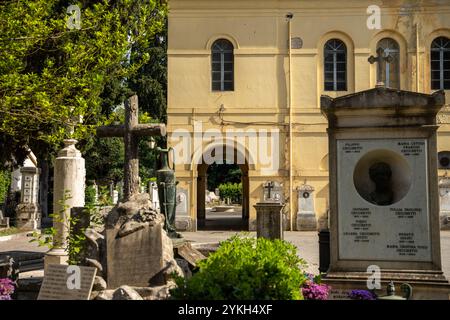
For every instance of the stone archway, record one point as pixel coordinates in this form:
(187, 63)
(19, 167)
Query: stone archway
(202, 177)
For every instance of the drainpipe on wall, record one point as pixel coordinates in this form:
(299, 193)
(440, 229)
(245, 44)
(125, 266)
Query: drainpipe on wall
(417, 58)
(289, 16)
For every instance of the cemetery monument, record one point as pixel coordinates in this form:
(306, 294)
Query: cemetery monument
(384, 200)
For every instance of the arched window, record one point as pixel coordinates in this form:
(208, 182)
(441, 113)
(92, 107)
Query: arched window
(222, 65)
(335, 65)
(390, 70)
(440, 63)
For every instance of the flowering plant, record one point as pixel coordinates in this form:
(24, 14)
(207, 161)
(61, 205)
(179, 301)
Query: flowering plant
(6, 288)
(313, 290)
(362, 295)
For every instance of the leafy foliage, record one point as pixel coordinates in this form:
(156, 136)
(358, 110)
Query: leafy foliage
(52, 77)
(223, 173)
(76, 239)
(246, 268)
(89, 195)
(232, 191)
(5, 181)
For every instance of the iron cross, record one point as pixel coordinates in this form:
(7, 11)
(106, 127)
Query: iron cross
(379, 59)
(269, 186)
(131, 132)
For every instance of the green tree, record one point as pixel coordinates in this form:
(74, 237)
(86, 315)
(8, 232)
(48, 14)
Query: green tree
(51, 78)
(223, 173)
(5, 181)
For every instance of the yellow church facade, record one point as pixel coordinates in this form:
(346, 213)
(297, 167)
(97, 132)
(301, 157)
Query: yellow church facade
(245, 79)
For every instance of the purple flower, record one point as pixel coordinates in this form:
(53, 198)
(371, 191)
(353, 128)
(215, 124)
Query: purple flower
(314, 291)
(361, 295)
(6, 288)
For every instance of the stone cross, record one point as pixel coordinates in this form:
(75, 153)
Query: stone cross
(131, 132)
(379, 59)
(269, 186)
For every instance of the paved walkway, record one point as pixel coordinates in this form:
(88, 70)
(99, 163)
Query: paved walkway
(306, 242)
(308, 245)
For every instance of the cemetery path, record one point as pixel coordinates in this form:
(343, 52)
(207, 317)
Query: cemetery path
(308, 245)
(21, 242)
(306, 242)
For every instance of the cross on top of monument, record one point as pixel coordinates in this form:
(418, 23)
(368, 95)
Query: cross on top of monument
(269, 186)
(131, 132)
(379, 59)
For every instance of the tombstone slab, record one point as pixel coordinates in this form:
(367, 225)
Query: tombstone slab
(28, 213)
(306, 215)
(183, 221)
(55, 285)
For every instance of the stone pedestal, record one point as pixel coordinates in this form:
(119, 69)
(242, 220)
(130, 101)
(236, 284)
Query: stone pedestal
(426, 285)
(28, 216)
(55, 256)
(269, 220)
(444, 195)
(69, 183)
(306, 216)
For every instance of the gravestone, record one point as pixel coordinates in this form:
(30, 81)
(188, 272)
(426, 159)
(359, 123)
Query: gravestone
(4, 221)
(60, 284)
(153, 192)
(115, 196)
(28, 213)
(444, 195)
(384, 205)
(95, 186)
(306, 216)
(182, 218)
(137, 247)
(269, 212)
(273, 192)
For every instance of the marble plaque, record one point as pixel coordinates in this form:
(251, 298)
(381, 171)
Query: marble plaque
(383, 200)
(55, 285)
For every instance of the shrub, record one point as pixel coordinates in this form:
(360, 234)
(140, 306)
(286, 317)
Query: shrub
(5, 180)
(90, 195)
(246, 269)
(232, 191)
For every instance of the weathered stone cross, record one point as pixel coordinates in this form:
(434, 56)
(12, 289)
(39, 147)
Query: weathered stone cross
(131, 132)
(379, 59)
